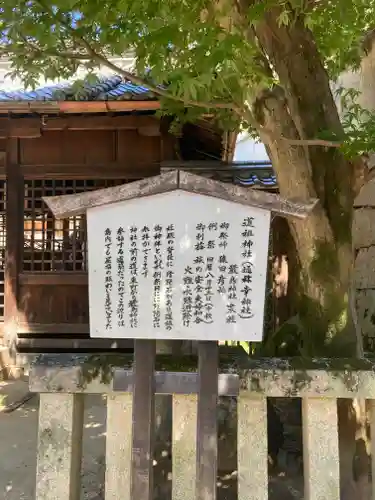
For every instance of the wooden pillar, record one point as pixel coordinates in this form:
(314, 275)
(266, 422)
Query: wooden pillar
(142, 485)
(14, 240)
(206, 460)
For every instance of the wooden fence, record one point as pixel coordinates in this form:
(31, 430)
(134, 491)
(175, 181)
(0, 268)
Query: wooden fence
(64, 381)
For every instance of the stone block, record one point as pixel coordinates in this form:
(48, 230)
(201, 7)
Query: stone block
(321, 449)
(185, 409)
(366, 196)
(252, 448)
(118, 446)
(364, 268)
(59, 453)
(364, 227)
(365, 302)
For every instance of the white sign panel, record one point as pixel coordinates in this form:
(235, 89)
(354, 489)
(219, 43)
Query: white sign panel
(177, 266)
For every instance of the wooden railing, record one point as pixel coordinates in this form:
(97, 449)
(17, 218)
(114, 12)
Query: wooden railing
(64, 381)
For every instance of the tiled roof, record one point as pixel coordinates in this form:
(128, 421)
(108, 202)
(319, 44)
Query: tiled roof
(107, 89)
(259, 175)
(266, 178)
(272, 184)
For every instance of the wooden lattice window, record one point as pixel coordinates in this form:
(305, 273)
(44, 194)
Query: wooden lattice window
(55, 244)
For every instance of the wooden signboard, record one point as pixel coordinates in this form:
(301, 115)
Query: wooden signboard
(177, 265)
(177, 256)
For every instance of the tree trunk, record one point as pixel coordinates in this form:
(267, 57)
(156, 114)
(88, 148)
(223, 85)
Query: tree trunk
(325, 262)
(301, 108)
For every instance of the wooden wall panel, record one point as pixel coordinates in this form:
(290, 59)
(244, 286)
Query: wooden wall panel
(169, 144)
(133, 148)
(91, 146)
(69, 147)
(3, 146)
(42, 150)
(54, 304)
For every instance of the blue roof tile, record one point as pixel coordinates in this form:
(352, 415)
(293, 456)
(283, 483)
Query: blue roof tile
(108, 88)
(254, 180)
(250, 175)
(257, 176)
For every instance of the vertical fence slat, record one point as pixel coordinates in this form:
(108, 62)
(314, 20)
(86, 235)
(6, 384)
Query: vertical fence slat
(372, 433)
(59, 447)
(320, 449)
(143, 420)
(252, 448)
(118, 447)
(208, 364)
(184, 447)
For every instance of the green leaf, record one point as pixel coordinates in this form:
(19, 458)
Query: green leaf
(91, 78)
(284, 18)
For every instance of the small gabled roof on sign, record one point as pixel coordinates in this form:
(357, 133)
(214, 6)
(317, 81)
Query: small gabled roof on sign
(75, 204)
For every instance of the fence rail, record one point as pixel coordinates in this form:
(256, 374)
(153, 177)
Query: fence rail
(63, 381)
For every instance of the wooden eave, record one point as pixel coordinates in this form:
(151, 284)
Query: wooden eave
(31, 127)
(69, 107)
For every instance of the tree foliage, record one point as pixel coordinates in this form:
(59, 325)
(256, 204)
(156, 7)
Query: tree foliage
(206, 53)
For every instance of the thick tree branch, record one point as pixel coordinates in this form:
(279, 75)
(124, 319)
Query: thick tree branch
(271, 136)
(311, 142)
(63, 54)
